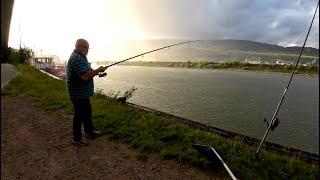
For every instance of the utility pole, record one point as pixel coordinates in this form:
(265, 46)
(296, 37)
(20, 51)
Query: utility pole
(6, 13)
(19, 34)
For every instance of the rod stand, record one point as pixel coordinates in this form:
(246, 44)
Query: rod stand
(274, 123)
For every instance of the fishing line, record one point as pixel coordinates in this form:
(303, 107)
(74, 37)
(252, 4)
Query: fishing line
(275, 121)
(104, 73)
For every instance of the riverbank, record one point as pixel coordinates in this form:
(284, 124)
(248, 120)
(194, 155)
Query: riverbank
(149, 133)
(277, 148)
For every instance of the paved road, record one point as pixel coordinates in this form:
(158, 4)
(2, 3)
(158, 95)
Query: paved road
(7, 73)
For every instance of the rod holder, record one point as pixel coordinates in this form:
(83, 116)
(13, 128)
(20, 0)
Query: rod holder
(274, 124)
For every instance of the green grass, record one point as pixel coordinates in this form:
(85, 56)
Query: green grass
(150, 133)
(278, 54)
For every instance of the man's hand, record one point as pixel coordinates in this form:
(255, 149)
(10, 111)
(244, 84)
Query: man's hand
(90, 74)
(102, 69)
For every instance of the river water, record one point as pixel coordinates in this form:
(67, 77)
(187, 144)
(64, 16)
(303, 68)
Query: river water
(230, 100)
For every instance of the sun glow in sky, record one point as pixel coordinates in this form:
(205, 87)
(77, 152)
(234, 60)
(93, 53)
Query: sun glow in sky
(51, 27)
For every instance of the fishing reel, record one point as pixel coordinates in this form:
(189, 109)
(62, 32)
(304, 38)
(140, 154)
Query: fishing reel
(274, 124)
(102, 74)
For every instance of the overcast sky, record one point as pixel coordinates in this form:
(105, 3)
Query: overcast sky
(272, 21)
(54, 25)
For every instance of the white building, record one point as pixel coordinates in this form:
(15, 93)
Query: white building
(279, 62)
(43, 62)
(252, 62)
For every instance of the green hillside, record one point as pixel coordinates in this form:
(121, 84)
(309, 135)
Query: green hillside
(219, 51)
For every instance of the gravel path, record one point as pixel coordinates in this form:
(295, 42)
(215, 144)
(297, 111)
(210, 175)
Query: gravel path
(7, 72)
(36, 144)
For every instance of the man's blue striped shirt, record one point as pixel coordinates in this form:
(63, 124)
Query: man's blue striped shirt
(77, 88)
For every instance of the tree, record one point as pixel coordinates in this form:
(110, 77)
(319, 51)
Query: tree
(20, 56)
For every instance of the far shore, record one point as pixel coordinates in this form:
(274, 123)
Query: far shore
(230, 66)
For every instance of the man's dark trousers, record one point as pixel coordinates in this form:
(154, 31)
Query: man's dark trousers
(82, 114)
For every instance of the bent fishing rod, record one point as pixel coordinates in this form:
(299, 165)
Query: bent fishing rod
(275, 121)
(104, 73)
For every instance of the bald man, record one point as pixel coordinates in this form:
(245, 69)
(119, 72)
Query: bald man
(80, 88)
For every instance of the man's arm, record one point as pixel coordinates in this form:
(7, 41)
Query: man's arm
(90, 74)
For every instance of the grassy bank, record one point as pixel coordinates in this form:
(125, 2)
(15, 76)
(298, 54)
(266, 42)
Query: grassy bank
(150, 133)
(310, 70)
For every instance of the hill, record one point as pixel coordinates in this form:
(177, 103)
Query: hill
(219, 51)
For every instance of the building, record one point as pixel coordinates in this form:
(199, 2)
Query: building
(252, 62)
(279, 62)
(50, 64)
(44, 62)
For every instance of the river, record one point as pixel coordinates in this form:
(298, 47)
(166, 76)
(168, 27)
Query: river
(231, 100)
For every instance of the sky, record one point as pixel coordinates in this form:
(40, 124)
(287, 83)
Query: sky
(51, 27)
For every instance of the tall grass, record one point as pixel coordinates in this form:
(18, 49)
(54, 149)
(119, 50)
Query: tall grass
(150, 133)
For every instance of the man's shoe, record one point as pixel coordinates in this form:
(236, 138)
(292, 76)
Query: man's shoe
(94, 134)
(79, 143)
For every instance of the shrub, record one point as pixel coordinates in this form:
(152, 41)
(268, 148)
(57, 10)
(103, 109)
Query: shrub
(19, 56)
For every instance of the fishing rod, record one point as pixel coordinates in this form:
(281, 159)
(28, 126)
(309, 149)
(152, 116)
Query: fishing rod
(275, 121)
(213, 155)
(104, 73)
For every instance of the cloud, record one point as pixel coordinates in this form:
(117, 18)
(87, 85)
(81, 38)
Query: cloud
(276, 22)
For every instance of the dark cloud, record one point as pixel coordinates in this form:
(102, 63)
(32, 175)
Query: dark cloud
(282, 22)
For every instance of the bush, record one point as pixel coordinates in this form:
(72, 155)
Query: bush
(287, 67)
(19, 56)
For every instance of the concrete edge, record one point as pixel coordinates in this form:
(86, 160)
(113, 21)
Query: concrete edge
(50, 74)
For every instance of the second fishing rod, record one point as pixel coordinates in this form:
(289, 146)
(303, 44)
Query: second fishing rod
(102, 74)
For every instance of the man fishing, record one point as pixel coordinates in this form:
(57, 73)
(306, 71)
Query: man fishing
(80, 88)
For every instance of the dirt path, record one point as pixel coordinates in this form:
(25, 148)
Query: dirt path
(7, 72)
(36, 144)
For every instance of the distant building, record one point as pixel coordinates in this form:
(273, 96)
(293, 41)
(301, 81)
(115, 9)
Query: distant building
(314, 62)
(50, 64)
(44, 62)
(279, 62)
(252, 62)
